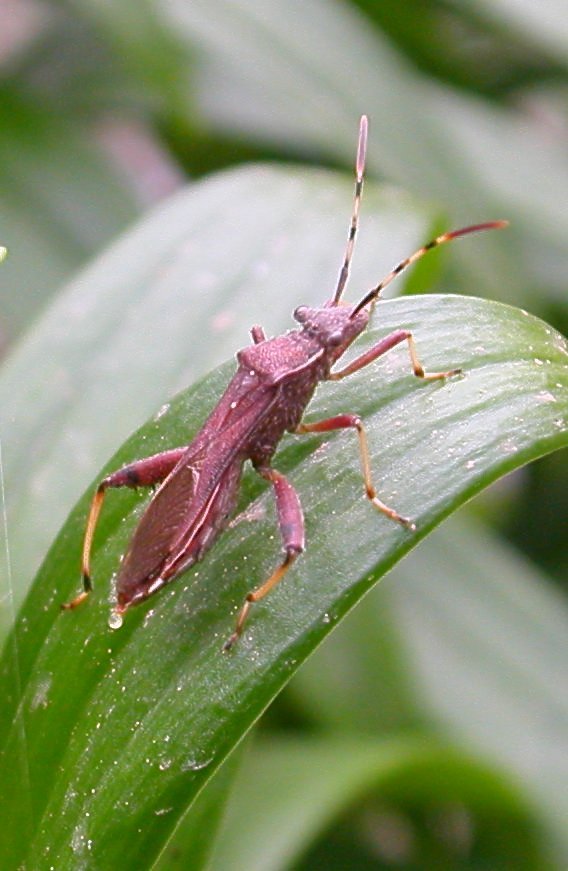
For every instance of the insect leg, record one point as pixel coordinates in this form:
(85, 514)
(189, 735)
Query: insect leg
(342, 421)
(142, 473)
(291, 523)
(385, 345)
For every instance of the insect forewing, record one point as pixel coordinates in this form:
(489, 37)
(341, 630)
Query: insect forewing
(194, 502)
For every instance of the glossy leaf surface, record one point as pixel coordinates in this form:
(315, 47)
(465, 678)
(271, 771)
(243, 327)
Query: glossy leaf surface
(137, 720)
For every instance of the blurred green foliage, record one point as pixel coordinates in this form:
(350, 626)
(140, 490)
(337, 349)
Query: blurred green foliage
(431, 729)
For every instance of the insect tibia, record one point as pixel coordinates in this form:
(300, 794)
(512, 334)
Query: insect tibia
(74, 603)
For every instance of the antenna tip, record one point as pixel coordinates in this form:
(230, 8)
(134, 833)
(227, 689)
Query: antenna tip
(473, 228)
(494, 225)
(362, 146)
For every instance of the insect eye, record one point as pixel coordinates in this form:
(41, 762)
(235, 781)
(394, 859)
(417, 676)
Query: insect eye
(335, 338)
(301, 313)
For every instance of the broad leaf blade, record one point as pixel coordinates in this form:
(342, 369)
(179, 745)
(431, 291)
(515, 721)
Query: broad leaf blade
(195, 838)
(60, 202)
(122, 729)
(548, 32)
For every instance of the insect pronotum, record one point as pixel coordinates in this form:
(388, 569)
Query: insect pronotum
(267, 396)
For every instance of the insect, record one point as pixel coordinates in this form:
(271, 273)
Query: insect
(273, 384)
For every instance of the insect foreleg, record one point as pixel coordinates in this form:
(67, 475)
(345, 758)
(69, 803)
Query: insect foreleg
(343, 421)
(291, 523)
(385, 345)
(142, 473)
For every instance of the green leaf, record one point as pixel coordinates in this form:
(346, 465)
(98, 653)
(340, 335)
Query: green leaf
(320, 779)
(115, 733)
(489, 657)
(548, 32)
(153, 52)
(304, 83)
(194, 839)
(61, 201)
(469, 635)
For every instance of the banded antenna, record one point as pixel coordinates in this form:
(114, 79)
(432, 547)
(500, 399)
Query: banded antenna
(359, 171)
(373, 294)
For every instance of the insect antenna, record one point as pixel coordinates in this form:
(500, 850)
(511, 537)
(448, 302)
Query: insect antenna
(373, 294)
(359, 171)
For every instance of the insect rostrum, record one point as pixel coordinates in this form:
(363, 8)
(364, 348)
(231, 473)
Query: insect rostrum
(267, 396)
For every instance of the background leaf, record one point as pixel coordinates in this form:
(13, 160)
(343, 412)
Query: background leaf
(61, 201)
(549, 29)
(259, 75)
(319, 780)
(479, 649)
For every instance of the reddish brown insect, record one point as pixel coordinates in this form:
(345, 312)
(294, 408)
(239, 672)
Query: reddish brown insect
(266, 397)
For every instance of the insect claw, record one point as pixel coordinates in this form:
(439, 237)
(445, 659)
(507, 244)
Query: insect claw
(390, 512)
(404, 521)
(450, 374)
(231, 640)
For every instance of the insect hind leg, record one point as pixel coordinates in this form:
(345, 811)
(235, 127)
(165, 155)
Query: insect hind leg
(142, 473)
(291, 523)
